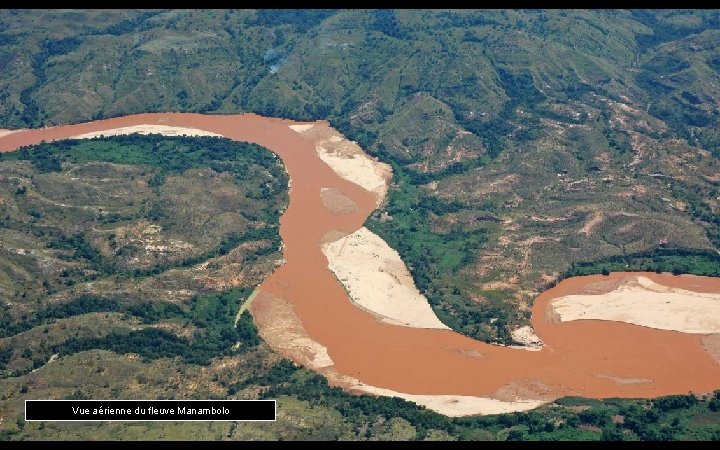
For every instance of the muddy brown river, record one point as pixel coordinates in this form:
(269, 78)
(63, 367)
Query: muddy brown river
(589, 358)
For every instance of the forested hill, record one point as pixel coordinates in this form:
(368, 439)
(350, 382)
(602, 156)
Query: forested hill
(526, 144)
(472, 69)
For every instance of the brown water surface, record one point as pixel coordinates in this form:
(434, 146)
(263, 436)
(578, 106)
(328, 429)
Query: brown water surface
(588, 357)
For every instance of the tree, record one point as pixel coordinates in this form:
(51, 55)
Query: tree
(515, 435)
(612, 433)
(714, 404)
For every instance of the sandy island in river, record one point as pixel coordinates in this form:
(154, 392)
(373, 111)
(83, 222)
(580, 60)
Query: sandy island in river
(378, 281)
(641, 301)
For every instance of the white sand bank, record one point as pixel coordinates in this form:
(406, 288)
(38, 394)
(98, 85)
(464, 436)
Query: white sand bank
(4, 132)
(281, 328)
(347, 159)
(527, 337)
(378, 281)
(457, 405)
(301, 128)
(147, 129)
(640, 301)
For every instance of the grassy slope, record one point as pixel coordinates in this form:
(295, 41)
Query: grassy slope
(87, 238)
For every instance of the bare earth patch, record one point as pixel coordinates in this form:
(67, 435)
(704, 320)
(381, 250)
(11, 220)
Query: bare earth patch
(641, 301)
(347, 159)
(590, 225)
(378, 281)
